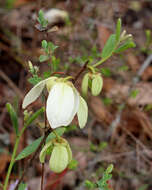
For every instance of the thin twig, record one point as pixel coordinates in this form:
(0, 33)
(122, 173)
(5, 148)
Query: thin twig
(79, 73)
(134, 81)
(11, 84)
(42, 176)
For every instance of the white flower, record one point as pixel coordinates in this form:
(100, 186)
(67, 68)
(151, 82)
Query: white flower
(63, 102)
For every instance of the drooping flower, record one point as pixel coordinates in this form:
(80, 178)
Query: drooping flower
(63, 102)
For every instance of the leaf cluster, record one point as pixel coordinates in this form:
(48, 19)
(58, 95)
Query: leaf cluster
(101, 184)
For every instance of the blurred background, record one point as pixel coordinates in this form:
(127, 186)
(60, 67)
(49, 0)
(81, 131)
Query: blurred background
(119, 128)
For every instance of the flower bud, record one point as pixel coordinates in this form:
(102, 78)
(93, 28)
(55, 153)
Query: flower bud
(97, 83)
(59, 159)
(84, 85)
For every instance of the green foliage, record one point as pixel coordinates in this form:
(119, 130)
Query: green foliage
(109, 47)
(71, 128)
(42, 21)
(43, 58)
(128, 44)
(58, 131)
(148, 107)
(46, 74)
(13, 117)
(73, 164)
(34, 80)
(48, 47)
(29, 149)
(9, 4)
(134, 93)
(98, 148)
(101, 184)
(116, 43)
(118, 30)
(148, 44)
(22, 186)
(123, 68)
(94, 52)
(107, 101)
(55, 63)
(34, 116)
(34, 145)
(148, 38)
(90, 185)
(106, 72)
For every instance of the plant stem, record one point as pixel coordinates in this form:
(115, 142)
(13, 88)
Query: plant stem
(100, 62)
(13, 157)
(32, 158)
(42, 176)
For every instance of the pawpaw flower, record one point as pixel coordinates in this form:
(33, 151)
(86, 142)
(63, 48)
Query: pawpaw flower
(63, 102)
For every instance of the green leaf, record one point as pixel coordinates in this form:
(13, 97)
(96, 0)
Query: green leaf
(52, 47)
(148, 107)
(34, 80)
(55, 63)
(34, 116)
(73, 164)
(134, 93)
(42, 21)
(123, 68)
(118, 30)
(43, 58)
(107, 101)
(44, 44)
(29, 149)
(13, 116)
(46, 74)
(109, 169)
(109, 47)
(128, 44)
(89, 184)
(22, 186)
(106, 72)
(59, 131)
(10, 4)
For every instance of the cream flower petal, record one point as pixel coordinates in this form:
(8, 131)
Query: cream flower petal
(33, 94)
(60, 105)
(76, 104)
(82, 112)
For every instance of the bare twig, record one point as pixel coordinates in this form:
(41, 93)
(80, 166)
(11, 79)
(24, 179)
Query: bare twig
(79, 73)
(135, 80)
(11, 84)
(42, 176)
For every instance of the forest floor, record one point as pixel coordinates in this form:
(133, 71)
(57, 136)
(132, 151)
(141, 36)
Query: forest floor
(119, 128)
